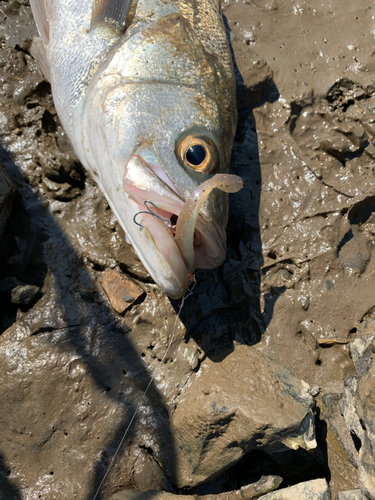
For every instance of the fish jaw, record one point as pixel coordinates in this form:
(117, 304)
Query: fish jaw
(157, 253)
(145, 182)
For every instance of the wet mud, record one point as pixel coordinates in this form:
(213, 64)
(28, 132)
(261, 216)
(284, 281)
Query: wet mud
(84, 328)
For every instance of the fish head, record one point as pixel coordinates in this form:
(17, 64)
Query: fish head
(154, 145)
(159, 122)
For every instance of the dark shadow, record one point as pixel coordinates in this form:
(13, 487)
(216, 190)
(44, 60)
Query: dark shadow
(225, 305)
(91, 331)
(308, 465)
(7, 490)
(291, 466)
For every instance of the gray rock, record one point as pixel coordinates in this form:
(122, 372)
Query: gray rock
(332, 412)
(358, 409)
(350, 495)
(218, 421)
(360, 353)
(310, 490)
(7, 191)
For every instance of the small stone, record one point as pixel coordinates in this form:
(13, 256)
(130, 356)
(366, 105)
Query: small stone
(128, 298)
(60, 191)
(304, 301)
(122, 292)
(25, 294)
(314, 391)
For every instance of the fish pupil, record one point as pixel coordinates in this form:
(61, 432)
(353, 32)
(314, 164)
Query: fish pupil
(196, 154)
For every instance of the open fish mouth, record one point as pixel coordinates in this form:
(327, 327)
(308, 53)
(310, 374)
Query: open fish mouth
(185, 238)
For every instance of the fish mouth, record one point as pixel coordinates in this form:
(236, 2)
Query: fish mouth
(160, 205)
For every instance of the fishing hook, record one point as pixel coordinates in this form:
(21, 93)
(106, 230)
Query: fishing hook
(167, 222)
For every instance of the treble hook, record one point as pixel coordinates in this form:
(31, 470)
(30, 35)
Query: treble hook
(167, 222)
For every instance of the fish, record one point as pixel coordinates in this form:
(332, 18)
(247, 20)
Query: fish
(145, 91)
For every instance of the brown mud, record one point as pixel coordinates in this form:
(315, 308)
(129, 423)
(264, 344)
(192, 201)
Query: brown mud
(297, 285)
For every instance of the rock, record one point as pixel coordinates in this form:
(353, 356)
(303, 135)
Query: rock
(310, 490)
(355, 252)
(360, 353)
(148, 495)
(122, 292)
(217, 421)
(248, 492)
(61, 191)
(25, 294)
(7, 191)
(332, 412)
(359, 410)
(350, 495)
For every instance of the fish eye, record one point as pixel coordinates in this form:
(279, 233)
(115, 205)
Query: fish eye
(198, 153)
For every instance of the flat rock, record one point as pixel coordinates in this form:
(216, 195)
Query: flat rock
(122, 292)
(219, 420)
(310, 490)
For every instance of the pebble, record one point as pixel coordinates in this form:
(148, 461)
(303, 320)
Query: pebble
(122, 292)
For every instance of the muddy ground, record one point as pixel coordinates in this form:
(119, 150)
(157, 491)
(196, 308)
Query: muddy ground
(298, 283)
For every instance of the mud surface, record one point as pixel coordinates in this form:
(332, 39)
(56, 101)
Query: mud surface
(298, 283)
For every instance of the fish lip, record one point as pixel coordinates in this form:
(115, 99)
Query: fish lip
(210, 252)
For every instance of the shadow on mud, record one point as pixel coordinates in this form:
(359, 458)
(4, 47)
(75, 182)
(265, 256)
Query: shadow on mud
(44, 254)
(225, 305)
(7, 488)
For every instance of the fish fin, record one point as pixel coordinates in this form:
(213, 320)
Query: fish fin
(38, 8)
(38, 51)
(111, 12)
(217, 3)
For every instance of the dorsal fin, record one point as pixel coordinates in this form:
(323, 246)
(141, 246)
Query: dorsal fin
(111, 12)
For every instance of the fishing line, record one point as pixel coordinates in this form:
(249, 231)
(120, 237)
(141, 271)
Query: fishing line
(188, 293)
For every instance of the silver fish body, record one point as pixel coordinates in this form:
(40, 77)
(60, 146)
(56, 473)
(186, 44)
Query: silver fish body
(145, 91)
